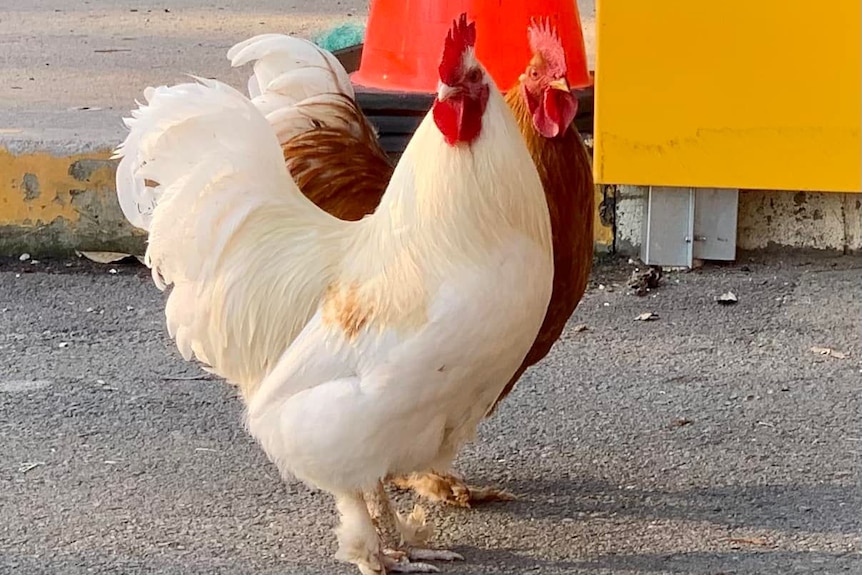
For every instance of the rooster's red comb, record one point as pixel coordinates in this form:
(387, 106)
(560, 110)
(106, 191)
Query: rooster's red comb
(545, 42)
(461, 36)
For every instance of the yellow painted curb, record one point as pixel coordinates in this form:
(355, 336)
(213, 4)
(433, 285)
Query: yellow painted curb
(57, 204)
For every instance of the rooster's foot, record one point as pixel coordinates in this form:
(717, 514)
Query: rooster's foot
(422, 554)
(412, 560)
(451, 490)
(399, 562)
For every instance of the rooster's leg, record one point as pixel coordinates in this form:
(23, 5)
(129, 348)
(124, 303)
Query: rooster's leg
(450, 489)
(404, 538)
(358, 541)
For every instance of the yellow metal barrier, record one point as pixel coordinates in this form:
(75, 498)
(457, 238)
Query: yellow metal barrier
(761, 94)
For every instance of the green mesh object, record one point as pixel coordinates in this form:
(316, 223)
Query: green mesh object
(342, 36)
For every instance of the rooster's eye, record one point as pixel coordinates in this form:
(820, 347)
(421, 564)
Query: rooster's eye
(534, 74)
(474, 76)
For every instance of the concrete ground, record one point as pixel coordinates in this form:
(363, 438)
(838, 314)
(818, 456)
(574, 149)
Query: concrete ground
(710, 441)
(70, 70)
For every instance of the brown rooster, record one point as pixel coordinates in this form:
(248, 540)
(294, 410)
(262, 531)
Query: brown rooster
(545, 110)
(337, 162)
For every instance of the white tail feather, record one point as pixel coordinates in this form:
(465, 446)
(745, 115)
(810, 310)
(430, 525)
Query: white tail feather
(275, 55)
(202, 170)
(293, 80)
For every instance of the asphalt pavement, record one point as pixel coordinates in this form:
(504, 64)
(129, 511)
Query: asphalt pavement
(711, 440)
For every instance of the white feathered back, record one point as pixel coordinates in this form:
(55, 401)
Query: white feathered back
(202, 170)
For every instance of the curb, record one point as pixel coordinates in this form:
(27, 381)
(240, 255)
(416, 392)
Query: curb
(55, 205)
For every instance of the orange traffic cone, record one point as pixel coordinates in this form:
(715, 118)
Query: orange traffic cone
(404, 40)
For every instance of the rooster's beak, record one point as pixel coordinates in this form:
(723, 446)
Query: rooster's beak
(560, 84)
(444, 91)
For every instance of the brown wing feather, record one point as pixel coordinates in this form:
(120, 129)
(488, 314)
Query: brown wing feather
(565, 169)
(343, 171)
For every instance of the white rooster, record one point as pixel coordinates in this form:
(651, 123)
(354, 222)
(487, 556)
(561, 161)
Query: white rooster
(362, 349)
